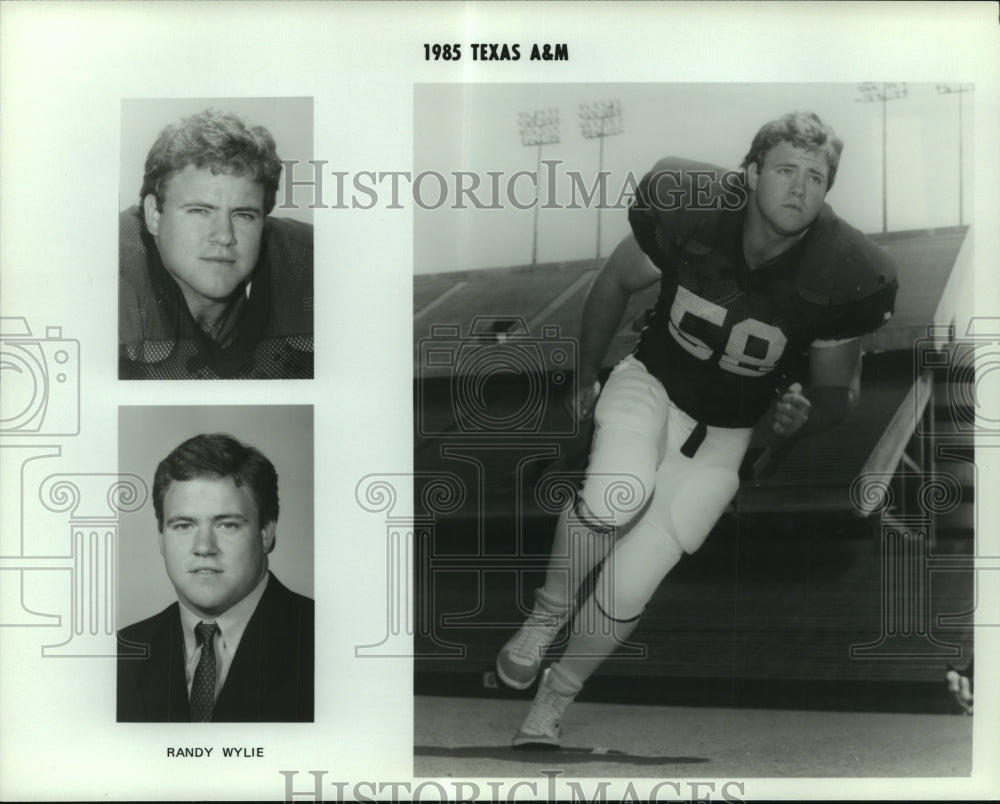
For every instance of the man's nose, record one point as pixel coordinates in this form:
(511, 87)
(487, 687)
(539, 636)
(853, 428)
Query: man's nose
(204, 541)
(799, 185)
(223, 233)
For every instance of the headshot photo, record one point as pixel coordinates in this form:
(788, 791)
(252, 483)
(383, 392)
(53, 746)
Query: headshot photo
(215, 572)
(215, 260)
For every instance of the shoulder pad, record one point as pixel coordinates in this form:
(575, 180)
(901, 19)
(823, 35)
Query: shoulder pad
(290, 249)
(131, 249)
(683, 195)
(291, 229)
(840, 264)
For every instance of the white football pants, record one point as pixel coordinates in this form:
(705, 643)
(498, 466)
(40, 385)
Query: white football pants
(644, 504)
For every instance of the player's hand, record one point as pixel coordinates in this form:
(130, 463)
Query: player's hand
(581, 403)
(792, 411)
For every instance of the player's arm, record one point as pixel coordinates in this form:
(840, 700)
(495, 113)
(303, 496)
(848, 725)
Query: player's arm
(626, 271)
(834, 388)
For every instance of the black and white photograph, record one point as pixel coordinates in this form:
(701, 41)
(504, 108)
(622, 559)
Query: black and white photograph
(492, 401)
(693, 362)
(215, 270)
(228, 528)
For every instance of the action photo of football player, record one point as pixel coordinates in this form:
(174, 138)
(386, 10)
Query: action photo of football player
(756, 272)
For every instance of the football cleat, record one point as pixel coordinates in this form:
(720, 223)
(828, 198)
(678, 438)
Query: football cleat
(520, 659)
(543, 725)
(960, 689)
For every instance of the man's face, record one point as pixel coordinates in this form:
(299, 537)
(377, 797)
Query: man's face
(213, 545)
(208, 233)
(789, 187)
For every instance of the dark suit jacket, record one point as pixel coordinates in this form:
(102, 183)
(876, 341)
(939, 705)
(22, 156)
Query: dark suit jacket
(270, 679)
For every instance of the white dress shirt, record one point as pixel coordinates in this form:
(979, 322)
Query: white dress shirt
(232, 623)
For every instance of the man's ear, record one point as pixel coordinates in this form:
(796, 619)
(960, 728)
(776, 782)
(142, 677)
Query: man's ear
(267, 534)
(152, 214)
(159, 539)
(753, 175)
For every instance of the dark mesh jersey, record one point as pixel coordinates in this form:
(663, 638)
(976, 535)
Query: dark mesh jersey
(271, 336)
(721, 337)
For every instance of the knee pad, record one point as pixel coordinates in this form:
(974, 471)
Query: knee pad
(632, 399)
(621, 620)
(589, 519)
(620, 479)
(634, 570)
(628, 445)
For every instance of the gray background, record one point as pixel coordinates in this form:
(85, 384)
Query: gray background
(290, 121)
(284, 433)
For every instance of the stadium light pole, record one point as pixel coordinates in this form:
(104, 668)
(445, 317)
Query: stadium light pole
(597, 121)
(882, 93)
(958, 89)
(538, 128)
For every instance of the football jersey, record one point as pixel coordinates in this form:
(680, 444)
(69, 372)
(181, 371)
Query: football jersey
(722, 336)
(270, 335)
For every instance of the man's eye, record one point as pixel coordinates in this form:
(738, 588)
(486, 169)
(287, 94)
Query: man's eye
(229, 525)
(197, 211)
(180, 526)
(246, 216)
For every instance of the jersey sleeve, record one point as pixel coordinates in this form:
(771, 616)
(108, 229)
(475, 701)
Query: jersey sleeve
(857, 318)
(134, 292)
(289, 246)
(645, 223)
(676, 197)
(850, 277)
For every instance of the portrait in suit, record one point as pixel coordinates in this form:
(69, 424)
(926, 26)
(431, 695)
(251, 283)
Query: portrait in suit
(237, 644)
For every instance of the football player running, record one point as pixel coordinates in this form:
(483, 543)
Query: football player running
(756, 273)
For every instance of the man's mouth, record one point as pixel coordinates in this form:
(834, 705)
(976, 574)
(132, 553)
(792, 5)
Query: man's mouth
(222, 260)
(205, 571)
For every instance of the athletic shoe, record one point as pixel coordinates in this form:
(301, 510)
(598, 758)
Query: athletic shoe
(520, 659)
(543, 724)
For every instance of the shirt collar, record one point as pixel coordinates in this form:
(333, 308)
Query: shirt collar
(232, 622)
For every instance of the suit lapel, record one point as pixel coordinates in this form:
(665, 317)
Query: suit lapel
(249, 674)
(165, 688)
